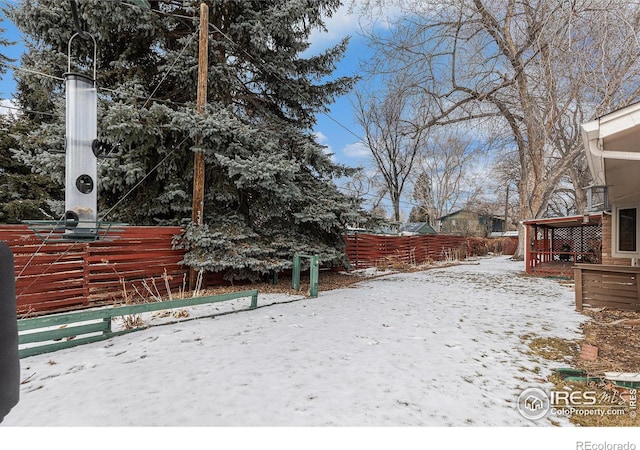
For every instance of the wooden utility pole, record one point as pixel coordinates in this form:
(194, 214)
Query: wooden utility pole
(197, 213)
(505, 228)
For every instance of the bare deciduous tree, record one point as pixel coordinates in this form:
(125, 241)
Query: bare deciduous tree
(537, 68)
(446, 163)
(391, 134)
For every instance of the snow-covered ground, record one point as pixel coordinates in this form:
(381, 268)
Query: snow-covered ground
(436, 348)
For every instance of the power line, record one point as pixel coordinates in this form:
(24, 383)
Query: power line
(100, 88)
(28, 110)
(35, 72)
(144, 178)
(257, 60)
(170, 68)
(263, 65)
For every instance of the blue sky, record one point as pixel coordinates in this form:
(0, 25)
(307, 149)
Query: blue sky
(7, 83)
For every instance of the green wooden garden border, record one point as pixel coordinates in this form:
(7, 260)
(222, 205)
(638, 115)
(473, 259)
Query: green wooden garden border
(103, 325)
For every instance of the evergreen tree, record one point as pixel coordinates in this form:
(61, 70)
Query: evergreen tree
(23, 195)
(425, 210)
(4, 60)
(269, 189)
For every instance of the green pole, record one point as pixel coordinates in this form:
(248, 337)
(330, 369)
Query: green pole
(314, 275)
(295, 277)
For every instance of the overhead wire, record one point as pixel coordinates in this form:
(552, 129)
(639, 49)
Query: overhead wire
(170, 68)
(171, 152)
(35, 72)
(226, 36)
(100, 88)
(360, 138)
(44, 241)
(30, 111)
(167, 73)
(263, 64)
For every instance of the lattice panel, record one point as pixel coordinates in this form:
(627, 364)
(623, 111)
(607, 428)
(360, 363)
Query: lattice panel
(577, 244)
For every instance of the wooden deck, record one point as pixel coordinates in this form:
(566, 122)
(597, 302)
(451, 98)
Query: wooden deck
(564, 269)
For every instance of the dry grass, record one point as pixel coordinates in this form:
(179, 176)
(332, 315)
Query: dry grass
(617, 337)
(553, 349)
(132, 321)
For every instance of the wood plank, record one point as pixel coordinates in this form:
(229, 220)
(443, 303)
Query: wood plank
(607, 278)
(52, 306)
(67, 318)
(577, 276)
(61, 333)
(610, 278)
(607, 298)
(40, 297)
(609, 304)
(613, 293)
(37, 350)
(614, 286)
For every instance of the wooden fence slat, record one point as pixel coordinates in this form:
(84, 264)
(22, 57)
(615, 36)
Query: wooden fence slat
(607, 286)
(57, 275)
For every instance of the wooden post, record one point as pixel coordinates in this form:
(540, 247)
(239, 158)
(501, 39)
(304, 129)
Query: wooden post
(197, 210)
(314, 268)
(529, 252)
(506, 211)
(313, 276)
(295, 276)
(577, 278)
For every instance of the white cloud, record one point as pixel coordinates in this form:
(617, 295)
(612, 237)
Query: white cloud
(357, 150)
(7, 107)
(343, 23)
(322, 140)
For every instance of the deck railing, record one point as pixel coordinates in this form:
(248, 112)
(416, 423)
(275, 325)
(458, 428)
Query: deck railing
(607, 286)
(546, 262)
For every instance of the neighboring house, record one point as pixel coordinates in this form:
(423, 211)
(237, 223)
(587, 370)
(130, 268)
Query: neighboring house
(416, 228)
(470, 223)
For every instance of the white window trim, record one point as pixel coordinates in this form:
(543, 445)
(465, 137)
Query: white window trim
(615, 252)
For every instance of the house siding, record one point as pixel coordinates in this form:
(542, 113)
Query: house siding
(466, 223)
(607, 258)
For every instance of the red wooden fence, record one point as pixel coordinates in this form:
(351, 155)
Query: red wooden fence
(60, 276)
(141, 262)
(369, 250)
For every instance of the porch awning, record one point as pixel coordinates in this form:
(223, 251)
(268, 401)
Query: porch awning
(612, 145)
(567, 221)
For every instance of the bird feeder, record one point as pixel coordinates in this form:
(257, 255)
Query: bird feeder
(82, 150)
(81, 201)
